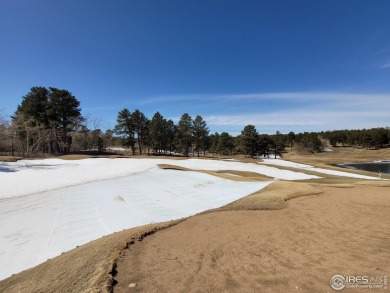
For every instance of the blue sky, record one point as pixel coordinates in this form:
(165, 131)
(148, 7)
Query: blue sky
(280, 65)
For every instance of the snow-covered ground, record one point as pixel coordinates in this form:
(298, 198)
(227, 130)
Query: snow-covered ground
(50, 206)
(214, 165)
(284, 163)
(39, 226)
(33, 176)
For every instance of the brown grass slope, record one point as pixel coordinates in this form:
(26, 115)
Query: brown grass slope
(339, 155)
(272, 197)
(9, 158)
(243, 176)
(297, 249)
(88, 268)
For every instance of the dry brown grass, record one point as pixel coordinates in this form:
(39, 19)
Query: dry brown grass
(374, 183)
(242, 176)
(9, 158)
(238, 158)
(76, 157)
(173, 167)
(246, 159)
(339, 155)
(296, 249)
(146, 156)
(273, 197)
(233, 175)
(340, 185)
(88, 268)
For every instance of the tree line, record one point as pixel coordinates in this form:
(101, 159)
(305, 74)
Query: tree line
(44, 122)
(368, 138)
(49, 121)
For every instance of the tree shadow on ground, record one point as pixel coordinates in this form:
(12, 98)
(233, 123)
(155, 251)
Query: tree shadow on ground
(6, 169)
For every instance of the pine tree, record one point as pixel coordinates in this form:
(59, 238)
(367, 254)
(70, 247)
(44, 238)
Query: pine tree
(200, 132)
(185, 132)
(249, 137)
(64, 114)
(157, 132)
(140, 127)
(125, 128)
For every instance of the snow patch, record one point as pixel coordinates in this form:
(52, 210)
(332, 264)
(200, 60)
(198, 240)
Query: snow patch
(315, 169)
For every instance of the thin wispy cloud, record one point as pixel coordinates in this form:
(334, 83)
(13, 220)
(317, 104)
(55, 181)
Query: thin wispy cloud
(299, 118)
(386, 65)
(312, 112)
(284, 111)
(294, 96)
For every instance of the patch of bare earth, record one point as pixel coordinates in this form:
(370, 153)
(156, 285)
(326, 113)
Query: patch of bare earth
(9, 158)
(299, 248)
(243, 176)
(76, 157)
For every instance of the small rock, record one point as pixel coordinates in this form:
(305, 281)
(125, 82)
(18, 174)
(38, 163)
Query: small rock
(132, 285)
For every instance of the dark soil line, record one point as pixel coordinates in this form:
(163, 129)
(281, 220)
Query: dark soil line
(111, 282)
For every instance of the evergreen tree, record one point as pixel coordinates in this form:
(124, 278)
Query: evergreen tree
(225, 144)
(157, 132)
(214, 140)
(64, 114)
(170, 133)
(249, 137)
(125, 128)
(35, 105)
(278, 144)
(6, 141)
(184, 133)
(291, 139)
(264, 144)
(200, 131)
(139, 121)
(45, 119)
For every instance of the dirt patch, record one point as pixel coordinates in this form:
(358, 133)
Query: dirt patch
(225, 174)
(76, 157)
(342, 231)
(173, 167)
(9, 159)
(238, 175)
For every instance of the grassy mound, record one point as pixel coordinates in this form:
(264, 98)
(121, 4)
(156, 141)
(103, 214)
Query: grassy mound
(225, 174)
(382, 183)
(273, 197)
(172, 167)
(76, 157)
(340, 185)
